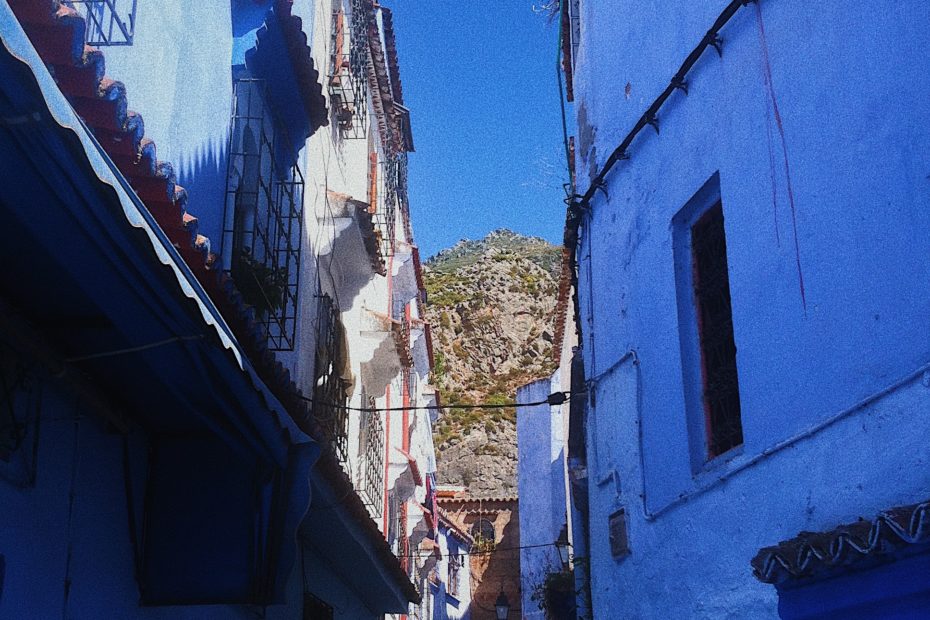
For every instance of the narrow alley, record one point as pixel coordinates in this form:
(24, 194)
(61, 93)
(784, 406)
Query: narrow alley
(391, 309)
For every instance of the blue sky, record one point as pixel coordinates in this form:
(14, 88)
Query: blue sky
(480, 81)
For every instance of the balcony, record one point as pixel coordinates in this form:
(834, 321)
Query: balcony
(400, 328)
(348, 79)
(330, 393)
(262, 216)
(371, 450)
(355, 243)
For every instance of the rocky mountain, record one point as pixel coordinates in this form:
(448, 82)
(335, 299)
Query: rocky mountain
(491, 304)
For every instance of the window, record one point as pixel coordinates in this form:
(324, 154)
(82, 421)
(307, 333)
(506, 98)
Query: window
(109, 22)
(263, 215)
(348, 81)
(715, 326)
(706, 326)
(455, 567)
(484, 534)
(371, 449)
(330, 392)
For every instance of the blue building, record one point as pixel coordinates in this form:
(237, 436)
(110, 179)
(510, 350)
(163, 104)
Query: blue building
(174, 436)
(749, 246)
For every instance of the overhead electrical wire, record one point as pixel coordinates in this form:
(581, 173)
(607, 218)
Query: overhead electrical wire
(554, 399)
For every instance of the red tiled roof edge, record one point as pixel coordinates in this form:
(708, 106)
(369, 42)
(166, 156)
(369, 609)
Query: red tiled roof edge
(380, 85)
(57, 33)
(561, 307)
(811, 553)
(390, 43)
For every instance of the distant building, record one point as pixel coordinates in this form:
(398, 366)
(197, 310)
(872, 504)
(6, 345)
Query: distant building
(749, 243)
(494, 526)
(547, 536)
(198, 362)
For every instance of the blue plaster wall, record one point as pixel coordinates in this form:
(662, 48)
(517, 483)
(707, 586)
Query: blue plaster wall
(178, 75)
(36, 538)
(541, 487)
(836, 197)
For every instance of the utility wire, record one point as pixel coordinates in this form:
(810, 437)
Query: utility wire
(554, 399)
(142, 347)
(485, 552)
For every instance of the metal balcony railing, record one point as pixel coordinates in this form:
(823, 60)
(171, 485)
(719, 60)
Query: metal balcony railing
(330, 393)
(385, 215)
(401, 329)
(371, 450)
(348, 78)
(262, 217)
(109, 22)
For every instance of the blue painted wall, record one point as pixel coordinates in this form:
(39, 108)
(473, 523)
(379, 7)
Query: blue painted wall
(814, 119)
(178, 75)
(48, 541)
(541, 487)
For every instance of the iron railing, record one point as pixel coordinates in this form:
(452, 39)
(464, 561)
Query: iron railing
(371, 450)
(330, 392)
(348, 79)
(109, 22)
(385, 215)
(263, 216)
(402, 325)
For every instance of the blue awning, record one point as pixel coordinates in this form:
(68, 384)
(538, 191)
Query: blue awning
(87, 264)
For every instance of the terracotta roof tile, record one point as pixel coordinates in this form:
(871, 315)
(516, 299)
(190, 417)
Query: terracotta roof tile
(811, 553)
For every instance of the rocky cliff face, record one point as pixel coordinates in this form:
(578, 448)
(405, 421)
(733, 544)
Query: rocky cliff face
(491, 304)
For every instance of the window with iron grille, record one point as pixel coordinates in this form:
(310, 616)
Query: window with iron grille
(109, 22)
(371, 449)
(330, 393)
(263, 216)
(348, 81)
(711, 286)
(455, 567)
(385, 213)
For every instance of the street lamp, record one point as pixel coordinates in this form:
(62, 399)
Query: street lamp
(502, 605)
(564, 549)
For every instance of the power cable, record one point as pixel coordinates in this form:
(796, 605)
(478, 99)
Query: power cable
(555, 399)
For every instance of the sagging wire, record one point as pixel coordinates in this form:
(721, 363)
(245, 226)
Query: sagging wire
(137, 349)
(555, 399)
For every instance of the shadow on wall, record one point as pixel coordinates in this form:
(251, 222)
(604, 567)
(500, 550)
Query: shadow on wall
(203, 174)
(497, 570)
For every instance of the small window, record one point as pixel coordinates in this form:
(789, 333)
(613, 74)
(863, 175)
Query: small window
(483, 529)
(715, 328)
(706, 326)
(455, 566)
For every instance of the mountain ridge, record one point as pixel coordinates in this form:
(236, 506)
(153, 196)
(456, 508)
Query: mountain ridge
(491, 303)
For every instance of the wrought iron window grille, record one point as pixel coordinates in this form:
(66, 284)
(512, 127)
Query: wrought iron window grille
(109, 22)
(455, 565)
(348, 78)
(385, 216)
(330, 391)
(371, 450)
(715, 328)
(263, 216)
(402, 325)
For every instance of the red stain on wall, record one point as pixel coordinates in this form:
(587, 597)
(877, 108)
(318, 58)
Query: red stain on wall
(770, 89)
